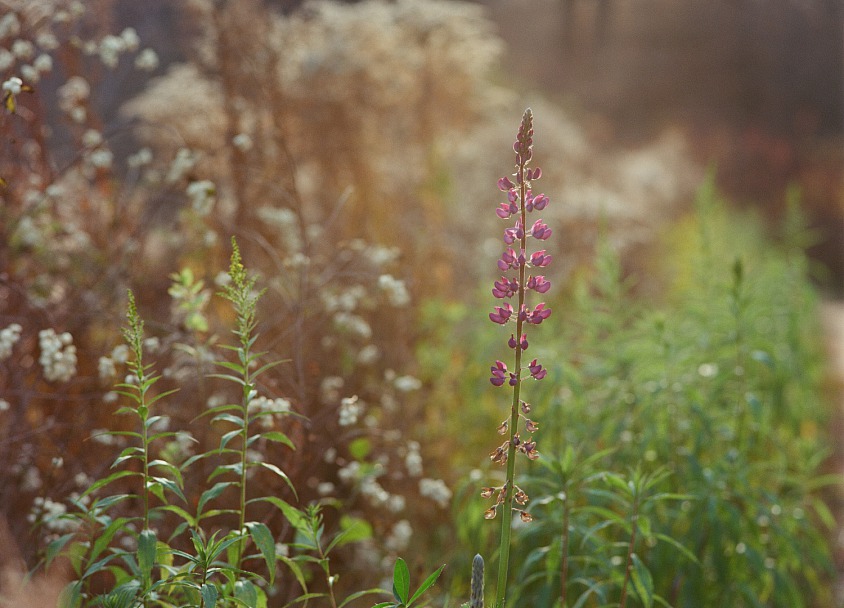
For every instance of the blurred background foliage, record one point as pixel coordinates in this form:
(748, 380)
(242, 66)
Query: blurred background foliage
(353, 149)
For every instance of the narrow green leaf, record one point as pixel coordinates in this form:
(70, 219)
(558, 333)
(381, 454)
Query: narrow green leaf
(401, 581)
(291, 514)
(278, 437)
(271, 467)
(211, 493)
(245, 592)
(209, 595)
(429, 582)
(263, 539)
(100, 483)
(146, 552)
(642, 581)
(236, 420)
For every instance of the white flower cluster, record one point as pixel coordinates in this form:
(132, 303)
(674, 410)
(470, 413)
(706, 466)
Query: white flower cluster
(13, 86)
(395, 289)
(399, 537)
(202, 195)
(350, 409)
(111, 47)
(52, 513)
(147, 60)
(406, 384)
(413, 459)
(184, 161)
(73, 96)
(436, 490)
(265, 405)
(58, 355)
(8, 337)
(349, 323)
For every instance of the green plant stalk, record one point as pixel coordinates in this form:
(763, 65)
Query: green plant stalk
(509, 484)
(564, 558)
(630, 547)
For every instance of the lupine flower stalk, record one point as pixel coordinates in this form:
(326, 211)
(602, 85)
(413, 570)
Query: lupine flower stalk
(521, 267)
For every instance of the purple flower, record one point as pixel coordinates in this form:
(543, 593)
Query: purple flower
(539, 284)
(499, 372)
(539, 259)
(537, 372)
(540, 230)
(504, 184)
(538, 202)
(513, 343)
(514, 234)
(505, 288)
(501, 314)
(539, 314)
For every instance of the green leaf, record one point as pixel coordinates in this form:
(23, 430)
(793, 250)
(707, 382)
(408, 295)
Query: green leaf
(278, 437)
(187, 517)
(245, 592)
(236, 420)
(271, 467)
(359, 594)
(293, 515)
(147, 544)
(296, 570)
(209, 595)
(100, 483)
(263, 539)
(401, 581)
(235, 468)
(642, 581)
(429, 582)
(677, 545)
(224, 440)
(211, 493)
(353, 529)
(55, 547)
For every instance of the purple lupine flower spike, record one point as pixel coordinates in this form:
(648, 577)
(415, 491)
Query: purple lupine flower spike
(515, 261)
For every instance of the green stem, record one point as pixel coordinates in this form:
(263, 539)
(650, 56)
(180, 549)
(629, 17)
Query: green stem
(564, 566)
(623, 600)
(509, 485)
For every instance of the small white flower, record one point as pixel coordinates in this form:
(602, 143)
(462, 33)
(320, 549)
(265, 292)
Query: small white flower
(58, 355)
(436, 490)
(395, 289)
(106, 368)
(47, 40)
(242, 141)
(4, 405)
(13, 85)
(23, 49)
(8, 337)
(140, 158)
(10, 25)
(92, 138)
(147, 60)
(130, 39)
(350, 410)
(7, 60)
(184, 162)
(399, 537)
(101, 158)
(203, 195)
(406, 384)
(120, 353)
(43, 63)
(30, 74)
(109, 50)
(325, 488)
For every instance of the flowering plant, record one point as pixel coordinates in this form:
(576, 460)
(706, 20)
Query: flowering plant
(520, 201)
